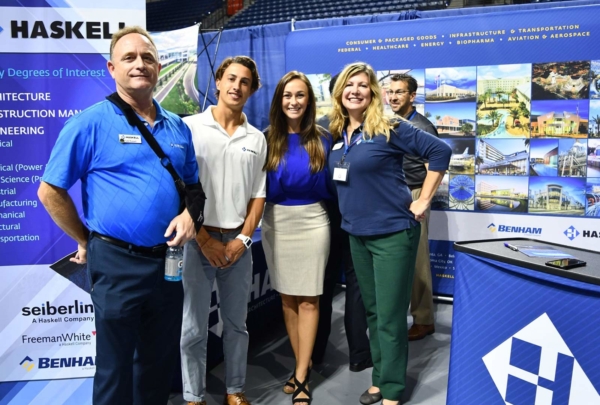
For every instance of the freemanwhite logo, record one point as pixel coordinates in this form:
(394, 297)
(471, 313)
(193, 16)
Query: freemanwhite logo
(535, 366)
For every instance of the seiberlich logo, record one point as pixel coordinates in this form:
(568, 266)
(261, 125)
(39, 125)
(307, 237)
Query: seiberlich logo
(535, 366)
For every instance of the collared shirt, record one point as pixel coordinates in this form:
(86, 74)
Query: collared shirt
(231, 168)
(126, 192)
(414, 166)
(375, 199)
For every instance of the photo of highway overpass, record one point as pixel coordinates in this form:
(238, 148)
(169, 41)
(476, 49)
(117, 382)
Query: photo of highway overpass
(501, 194)
(177, 88)
(557, 196)
(543, 157)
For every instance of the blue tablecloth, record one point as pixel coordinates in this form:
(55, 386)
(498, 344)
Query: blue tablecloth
(522, 337)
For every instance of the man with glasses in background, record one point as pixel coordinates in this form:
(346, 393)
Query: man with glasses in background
(401, 95)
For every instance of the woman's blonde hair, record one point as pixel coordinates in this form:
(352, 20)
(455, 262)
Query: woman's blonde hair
(310, 132)
(374, 120)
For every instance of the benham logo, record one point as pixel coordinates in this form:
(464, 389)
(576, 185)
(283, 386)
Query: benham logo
(535, 366)
(515, 229)
(62, 29)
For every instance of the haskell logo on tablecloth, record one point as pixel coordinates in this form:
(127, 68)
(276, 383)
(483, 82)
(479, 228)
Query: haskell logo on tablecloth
(535, 366)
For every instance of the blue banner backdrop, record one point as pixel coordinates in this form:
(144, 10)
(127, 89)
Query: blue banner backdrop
(515, 94)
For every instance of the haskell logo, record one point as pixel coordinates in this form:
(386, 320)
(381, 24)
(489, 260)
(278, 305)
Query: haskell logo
(571, 232)
(27, 364)
(492, 227)
(535, 366)
(244, 149)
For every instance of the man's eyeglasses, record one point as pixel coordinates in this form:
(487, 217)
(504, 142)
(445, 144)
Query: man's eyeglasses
(397, 92)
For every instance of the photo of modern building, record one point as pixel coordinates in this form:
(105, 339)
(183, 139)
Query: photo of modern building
(594, 124)
(543, 157)
(384, 81)
(502, 157)
(559, 119)
(463, 155)
(595, 79)
(440, 198)
(593, 158)
(592, 197)
(560, 80)
(461, 192)
(450, 84)
(320, 85)
(572, 154)
(501, 194)
(452, 120)
(503, 101)
(557, 196)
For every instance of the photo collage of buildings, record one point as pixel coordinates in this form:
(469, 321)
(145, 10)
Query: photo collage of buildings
(525, 137)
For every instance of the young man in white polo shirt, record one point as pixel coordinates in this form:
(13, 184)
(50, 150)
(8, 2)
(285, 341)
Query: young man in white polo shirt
(231, 154)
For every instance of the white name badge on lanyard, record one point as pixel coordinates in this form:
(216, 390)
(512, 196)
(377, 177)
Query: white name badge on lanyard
(340, 171)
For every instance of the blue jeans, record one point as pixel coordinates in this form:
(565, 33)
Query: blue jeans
(138, 321)
(233, 286)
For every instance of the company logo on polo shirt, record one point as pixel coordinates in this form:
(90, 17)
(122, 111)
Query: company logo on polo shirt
(176, 145)
(571, 232)
(27, 363)
(535, 366)
(244, 149)
(514, 229)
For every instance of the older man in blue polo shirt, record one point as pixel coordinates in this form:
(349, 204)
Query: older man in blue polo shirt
(130, 207)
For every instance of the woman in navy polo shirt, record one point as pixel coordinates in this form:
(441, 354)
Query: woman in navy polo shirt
(295, 227)
(380, 216)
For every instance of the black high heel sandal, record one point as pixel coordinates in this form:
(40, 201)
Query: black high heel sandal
(290, 384)
(301, 387)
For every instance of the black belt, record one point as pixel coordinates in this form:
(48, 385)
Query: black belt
(154, 251)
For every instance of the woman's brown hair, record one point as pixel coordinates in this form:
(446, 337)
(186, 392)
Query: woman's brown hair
(310, 132)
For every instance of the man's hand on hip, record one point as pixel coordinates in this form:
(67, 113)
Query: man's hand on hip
(183, 227)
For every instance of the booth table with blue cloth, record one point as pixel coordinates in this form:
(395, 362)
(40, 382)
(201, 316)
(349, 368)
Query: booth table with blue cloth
(524, 333)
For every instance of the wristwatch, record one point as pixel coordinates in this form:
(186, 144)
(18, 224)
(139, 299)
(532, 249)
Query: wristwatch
(246, 240)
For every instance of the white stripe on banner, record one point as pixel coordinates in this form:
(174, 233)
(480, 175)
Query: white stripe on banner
(577, 232)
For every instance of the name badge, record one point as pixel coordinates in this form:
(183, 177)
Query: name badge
(338, 146)
(124, 138)
(340, 171)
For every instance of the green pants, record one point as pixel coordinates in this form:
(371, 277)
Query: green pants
(385, 266)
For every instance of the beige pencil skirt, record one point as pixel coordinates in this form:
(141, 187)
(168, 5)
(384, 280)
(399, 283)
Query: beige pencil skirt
(295, 240)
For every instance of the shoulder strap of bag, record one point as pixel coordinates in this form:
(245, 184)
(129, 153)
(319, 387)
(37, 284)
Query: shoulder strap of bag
(135, 121)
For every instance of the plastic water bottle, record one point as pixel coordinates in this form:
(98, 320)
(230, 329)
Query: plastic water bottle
(174, 263)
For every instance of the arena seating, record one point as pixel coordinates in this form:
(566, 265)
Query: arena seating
(274, 11)
(168, 15)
